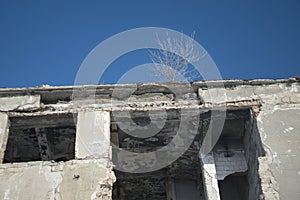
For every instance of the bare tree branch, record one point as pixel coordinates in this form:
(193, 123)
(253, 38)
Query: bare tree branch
(173, 58)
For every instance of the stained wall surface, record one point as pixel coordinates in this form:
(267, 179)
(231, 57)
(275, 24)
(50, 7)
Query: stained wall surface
(271, 137)
(278, 123)
(279, 128)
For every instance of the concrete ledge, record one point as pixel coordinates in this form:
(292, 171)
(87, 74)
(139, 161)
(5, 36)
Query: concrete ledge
(29, 102)
(280, 93)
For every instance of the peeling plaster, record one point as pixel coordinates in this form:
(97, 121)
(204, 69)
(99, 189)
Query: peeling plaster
(276, 104)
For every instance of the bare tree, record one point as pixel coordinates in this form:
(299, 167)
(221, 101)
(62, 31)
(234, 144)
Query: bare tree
(173, 58)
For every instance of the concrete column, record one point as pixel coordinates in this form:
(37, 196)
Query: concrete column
(4, 125)
(209, 173)
(44, 146)
(171, 189)
(93, 135)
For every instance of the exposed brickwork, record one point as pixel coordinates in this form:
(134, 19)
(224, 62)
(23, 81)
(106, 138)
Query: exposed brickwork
(229, 163)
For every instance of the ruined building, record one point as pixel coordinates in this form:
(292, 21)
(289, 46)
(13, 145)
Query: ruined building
(53, 147)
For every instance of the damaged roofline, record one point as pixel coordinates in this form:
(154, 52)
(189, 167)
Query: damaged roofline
(203, 83)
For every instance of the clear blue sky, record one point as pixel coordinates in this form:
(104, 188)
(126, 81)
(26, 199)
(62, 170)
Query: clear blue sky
(45, 42)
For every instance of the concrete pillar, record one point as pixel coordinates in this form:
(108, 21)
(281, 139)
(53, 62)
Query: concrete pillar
(4, 125)
(44, 146)
(171, 189)
(209, 173)
(93, 135)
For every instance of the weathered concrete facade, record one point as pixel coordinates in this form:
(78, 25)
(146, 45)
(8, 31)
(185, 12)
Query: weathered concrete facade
(56, 146)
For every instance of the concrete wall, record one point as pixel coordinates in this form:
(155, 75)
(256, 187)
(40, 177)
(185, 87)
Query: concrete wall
(279, 128)
(91, 177)
(273, 173)
(253, 151)
(77, 179)
(272, 144)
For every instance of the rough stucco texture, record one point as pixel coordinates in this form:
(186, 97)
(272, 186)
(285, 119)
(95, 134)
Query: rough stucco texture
(279, 129)
(70, 180)
(29, 102)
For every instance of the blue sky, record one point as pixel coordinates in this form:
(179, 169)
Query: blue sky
(45, 42)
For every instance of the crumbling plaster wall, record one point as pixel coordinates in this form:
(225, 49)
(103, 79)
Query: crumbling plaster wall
(77, 179)
(88, 177)
(278, 125)
(280, 169)
(91, 176)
